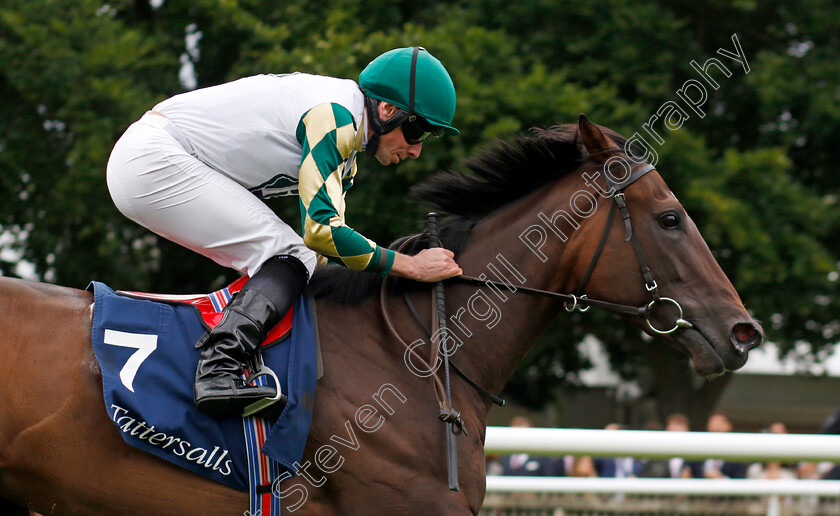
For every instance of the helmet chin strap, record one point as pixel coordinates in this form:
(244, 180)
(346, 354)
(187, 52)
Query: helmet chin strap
(379, 126)
(372, 106)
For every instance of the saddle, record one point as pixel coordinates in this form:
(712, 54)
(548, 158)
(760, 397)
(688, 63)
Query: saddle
(210, 306)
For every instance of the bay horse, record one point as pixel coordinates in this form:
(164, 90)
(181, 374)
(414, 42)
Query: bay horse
(376, 446)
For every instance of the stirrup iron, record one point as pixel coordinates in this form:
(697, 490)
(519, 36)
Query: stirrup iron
(260, 405)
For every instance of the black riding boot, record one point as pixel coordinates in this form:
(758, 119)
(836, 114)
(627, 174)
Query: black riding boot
(225, 350)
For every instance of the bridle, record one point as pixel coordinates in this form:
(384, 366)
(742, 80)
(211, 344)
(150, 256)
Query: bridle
(579, 300)
(572, 302)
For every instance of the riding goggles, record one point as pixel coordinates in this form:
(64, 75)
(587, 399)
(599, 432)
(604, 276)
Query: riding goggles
(416, 129)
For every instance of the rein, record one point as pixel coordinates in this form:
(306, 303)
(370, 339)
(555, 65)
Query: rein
(576, 300)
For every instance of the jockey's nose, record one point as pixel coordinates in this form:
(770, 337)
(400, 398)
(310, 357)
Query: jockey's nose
(414, 150)
(745, 336)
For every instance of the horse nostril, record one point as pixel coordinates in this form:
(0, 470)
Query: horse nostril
(746, 336)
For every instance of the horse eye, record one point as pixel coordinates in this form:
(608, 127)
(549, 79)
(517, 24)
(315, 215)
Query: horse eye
(669, 221)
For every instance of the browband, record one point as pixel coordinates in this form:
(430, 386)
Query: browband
(634, 176)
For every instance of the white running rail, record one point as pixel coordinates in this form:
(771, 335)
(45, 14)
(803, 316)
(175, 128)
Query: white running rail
(742, 447)
(641, 443)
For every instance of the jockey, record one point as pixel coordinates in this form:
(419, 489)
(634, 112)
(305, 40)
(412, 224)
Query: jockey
(195, 168)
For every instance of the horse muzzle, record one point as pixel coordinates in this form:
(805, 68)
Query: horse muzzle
(713, 348)
(746, 336)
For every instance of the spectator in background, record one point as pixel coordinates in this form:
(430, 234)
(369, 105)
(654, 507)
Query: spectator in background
(773, 469)
(814, 470)
(675, 467)
(492, 465)
(617, 467)
(654, 426)
(718, 468)
(583, 466)
(831, 426)
(523, 464)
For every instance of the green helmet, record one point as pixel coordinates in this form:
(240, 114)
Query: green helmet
(415, 81)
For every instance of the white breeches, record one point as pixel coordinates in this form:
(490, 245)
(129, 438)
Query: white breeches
(156, 182)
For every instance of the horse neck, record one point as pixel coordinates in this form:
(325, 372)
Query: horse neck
(499, 327)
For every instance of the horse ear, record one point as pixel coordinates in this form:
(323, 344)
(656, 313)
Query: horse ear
(596, 143)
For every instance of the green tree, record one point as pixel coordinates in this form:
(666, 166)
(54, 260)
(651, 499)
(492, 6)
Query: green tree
(755, 173)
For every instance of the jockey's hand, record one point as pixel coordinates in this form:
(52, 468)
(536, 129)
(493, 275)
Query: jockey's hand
(428, 265)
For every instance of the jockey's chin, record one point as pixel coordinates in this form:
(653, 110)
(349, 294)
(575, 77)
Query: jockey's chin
(393, 148)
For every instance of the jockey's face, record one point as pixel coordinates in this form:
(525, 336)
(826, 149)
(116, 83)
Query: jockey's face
(392, 145)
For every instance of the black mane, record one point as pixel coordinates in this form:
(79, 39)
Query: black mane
(494, 178)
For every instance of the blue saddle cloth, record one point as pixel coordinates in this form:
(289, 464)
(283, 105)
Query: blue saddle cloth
(148, 360)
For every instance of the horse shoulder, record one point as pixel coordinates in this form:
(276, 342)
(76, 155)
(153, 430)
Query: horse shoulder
(378, 419)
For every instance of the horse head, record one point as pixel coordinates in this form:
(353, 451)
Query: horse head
(602, 230)
(668, 269)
